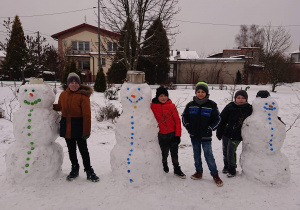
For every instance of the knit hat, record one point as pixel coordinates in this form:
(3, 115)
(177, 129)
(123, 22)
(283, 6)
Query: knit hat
(203, 86)
(262, 94)
(241, 93)
(161, 90)
(73, 77)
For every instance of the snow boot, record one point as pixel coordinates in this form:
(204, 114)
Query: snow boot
(166, 167)
(225, 170)
(197, 175)
(230, 175)
(217, 180)
(179, 173)
(74, 173)
(90, 175)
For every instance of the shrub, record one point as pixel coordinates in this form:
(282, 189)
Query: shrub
(112, 93)
(108, 112)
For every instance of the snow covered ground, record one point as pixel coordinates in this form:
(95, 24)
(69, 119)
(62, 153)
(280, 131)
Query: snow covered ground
(173, 192)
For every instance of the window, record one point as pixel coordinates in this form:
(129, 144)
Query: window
(112, 46)
(84, 65)
(103, 61)
(81, 46)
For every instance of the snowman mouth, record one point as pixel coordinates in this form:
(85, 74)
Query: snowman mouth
(32, 103)
(131, 101)
(270, 106)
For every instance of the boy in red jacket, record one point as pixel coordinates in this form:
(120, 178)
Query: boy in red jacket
(169, 133)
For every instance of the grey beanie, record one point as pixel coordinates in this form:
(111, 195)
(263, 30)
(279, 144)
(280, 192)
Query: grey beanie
(241, 93)
(73, 77)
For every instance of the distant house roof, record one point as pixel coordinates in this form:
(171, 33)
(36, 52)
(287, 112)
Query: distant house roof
(110, 33)
(183, 55)
(2, 54)
(295, 52)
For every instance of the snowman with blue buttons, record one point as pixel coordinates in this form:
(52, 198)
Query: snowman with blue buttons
(136, 156)
(34, 156)
(263, 136)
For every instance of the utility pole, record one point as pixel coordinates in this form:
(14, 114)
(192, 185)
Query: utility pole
(98, 36)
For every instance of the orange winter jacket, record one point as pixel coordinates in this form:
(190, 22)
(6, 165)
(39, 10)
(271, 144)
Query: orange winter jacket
(75, 108)
(167, 117)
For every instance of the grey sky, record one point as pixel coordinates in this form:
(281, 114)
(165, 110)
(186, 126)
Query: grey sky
(203, 38)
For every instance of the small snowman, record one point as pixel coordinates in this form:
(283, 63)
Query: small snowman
(263, 136)
(136, 157)
(34, 156)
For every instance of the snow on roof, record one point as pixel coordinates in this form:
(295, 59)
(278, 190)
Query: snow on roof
(174, 54)
(297, 51)
(2, 54)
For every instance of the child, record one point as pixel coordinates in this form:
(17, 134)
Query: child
(75, 124)
(200, 118)
(169, 133)
(229, 130)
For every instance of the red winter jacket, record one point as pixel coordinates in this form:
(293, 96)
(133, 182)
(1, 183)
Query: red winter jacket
(167, 117)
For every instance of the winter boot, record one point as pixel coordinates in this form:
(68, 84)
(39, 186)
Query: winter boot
(225, 170)
(179, 173)
(197, 175)
(74, 173)
(90, 175)
(217, 180)
(166, 167)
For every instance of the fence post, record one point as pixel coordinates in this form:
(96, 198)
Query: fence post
(15, 83)
(55, 84)
(1, 84)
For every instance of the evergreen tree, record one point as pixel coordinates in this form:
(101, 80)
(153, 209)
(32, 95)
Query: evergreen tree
(16, 52)
(100, 82)
(238, 78)
(155, 54)
(126, 48)
(70, 67)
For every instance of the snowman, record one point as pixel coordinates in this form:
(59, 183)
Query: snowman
(136, 157)
(34, 156)
(263, 136)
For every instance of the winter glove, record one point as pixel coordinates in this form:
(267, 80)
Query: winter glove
(177, 139)
(85, 137)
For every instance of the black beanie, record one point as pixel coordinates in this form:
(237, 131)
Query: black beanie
(161, 90)
(203, 86)
(262, 94)
(241, 93)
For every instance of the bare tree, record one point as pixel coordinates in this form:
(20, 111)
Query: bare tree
(142, 12)
(250, 36)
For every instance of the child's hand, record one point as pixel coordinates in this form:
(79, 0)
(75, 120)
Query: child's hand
(85, 137)
(177, 139)
(219, 137)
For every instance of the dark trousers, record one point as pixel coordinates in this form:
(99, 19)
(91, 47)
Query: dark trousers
(167, 143)
(82, 146)
(229, 154)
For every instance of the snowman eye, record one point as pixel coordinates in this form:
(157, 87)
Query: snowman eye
(33, 90)
(25, 90)
(139, 89)
(127, 88)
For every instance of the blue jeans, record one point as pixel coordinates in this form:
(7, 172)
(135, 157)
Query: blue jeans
(209, 157)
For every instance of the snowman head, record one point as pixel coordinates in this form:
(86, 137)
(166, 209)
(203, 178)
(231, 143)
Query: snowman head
(135, 96)
(264, 103)
(36, 96)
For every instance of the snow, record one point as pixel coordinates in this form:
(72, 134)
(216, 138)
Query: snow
(169, 193)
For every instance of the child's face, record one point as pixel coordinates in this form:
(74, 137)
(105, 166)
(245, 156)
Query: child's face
(200, 94)
(240, 99)
(162, 98)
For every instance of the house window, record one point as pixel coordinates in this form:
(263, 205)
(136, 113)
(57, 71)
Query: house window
(81, 46)
(103, 61)
(84, 65)
(112, 46)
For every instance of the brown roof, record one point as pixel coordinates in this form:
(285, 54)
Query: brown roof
(110, 33)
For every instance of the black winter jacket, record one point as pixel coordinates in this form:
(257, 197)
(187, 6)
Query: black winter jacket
(232, 118)
(201, 120)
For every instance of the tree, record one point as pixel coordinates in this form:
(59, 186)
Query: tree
(100, 83)
(238, 77)
(251, 36)
(126, 49)
(155, 54)
(117, 12)
(16, 51)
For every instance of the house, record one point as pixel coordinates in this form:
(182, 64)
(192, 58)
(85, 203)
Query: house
(187, 68)
(295, 56)
(81, 44)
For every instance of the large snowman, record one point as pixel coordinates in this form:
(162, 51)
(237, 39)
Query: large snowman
(136, 157)
(34, 156)
(263, 135)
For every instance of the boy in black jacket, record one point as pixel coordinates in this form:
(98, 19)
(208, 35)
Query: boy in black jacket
(200, 118)
(229, 130)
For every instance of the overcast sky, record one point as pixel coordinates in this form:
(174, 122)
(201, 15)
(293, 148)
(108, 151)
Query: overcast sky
(206, 26)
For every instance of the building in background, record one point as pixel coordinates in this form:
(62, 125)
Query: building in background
(81, 44)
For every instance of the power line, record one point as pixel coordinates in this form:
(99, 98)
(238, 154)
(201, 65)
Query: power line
(226, 24)
(57, 13)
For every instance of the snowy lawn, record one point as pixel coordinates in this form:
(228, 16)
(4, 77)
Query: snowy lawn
(172, 192)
